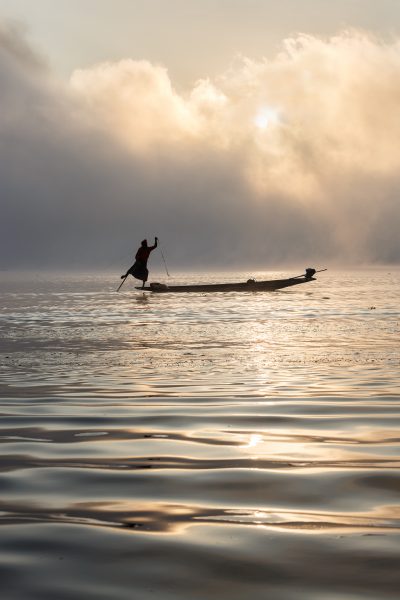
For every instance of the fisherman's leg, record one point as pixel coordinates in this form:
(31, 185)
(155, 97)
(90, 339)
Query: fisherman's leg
(129, 272)
(145, 276)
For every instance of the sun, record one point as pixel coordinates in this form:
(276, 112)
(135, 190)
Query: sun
(266, 117)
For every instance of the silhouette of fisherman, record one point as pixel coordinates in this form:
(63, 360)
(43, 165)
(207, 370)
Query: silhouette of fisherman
(139, 268)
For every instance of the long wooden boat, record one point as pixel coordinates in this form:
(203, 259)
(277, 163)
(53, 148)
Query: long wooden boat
(251, 285)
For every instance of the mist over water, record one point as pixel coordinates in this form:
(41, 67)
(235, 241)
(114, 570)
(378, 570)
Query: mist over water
(201, 445)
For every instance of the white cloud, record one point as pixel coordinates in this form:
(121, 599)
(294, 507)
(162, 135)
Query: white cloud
(122, 153)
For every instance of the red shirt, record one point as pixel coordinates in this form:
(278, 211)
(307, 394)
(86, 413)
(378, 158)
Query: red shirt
(143, 253)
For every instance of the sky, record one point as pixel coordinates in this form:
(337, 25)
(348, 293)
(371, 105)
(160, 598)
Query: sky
(241, 132)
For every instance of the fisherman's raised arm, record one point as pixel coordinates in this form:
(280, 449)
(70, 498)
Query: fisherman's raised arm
(155, 244)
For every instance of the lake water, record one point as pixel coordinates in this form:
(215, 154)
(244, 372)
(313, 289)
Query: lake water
(200, 446)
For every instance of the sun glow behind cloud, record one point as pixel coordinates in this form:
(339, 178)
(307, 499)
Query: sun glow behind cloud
(266, 118)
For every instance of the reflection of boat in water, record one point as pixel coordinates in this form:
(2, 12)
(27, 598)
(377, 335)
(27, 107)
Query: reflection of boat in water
(251, 285)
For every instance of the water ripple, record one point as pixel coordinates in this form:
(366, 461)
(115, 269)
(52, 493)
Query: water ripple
(203, 447)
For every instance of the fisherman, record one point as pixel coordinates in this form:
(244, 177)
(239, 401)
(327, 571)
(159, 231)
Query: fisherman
(139, 268)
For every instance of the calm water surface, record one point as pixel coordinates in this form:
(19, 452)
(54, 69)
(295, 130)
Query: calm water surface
(241, 445)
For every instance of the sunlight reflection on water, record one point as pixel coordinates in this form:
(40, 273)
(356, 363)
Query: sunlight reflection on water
(322, 338)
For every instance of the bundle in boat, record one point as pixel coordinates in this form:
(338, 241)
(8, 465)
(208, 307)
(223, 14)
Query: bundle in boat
(158, 287)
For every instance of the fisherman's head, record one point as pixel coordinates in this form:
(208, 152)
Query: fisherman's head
(144, 243)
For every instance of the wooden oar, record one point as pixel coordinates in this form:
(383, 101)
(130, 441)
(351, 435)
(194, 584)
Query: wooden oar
(122, 283)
